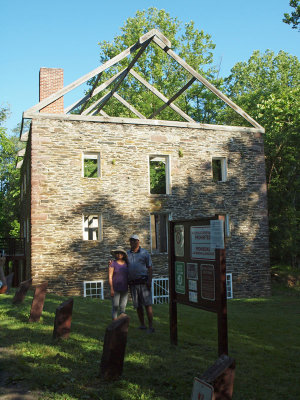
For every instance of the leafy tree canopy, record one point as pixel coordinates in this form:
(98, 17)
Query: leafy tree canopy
(160, 70)
(267, 87)
(9, 181)
(293, 18)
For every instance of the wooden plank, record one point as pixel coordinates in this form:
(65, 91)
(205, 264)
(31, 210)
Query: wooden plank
(19, 164)
(129, 106)
(131, 64)
(211, 87)
(155, 32)
(21, 153)
(91, 92)
(104, 113)
(97, 104)
(103, 86)
(173, 98)
(161, 96)
(84, 78)
(24, 136)
(136, 121)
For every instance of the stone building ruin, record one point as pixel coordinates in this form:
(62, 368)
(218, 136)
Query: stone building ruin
(85, 180)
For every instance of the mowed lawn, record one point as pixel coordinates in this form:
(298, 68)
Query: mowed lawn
(264, 339)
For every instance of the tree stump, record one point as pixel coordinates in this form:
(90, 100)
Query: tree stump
(63, 319)
(38, 302)
(115, 340)
(221, 377)
(22, 291)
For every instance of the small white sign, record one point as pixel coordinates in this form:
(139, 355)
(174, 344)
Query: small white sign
(202, 390)
(193, 285)
(193, 296)
(200, 243)
(216, 234)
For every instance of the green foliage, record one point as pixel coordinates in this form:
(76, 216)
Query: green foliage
(91, 168)
(9, 181)
(160, 70)
(157, 177)
(293, 18)
(267, 87)
(263, 338)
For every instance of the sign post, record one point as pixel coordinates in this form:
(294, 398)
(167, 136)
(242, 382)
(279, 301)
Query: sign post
(197, 270)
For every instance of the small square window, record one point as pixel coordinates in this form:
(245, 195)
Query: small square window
(91, 165)
(93, 289)
(219, 169)
(92, 227)
(159, 232)
(159, 174)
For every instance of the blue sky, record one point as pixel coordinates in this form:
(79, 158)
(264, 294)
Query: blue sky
(65, 34)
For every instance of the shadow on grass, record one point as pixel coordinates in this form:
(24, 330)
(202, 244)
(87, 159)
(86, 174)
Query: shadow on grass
(263, 337)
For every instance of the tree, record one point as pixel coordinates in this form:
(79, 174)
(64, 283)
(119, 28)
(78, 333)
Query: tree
(293, 18)
(9, 181)
(160, 70)
(267, 87)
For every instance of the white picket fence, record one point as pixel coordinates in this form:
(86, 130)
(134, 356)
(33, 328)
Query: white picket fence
(160, 290)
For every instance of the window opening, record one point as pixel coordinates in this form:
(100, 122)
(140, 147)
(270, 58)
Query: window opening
(93, 289)
(91, 227)
(91, 165)
(159, 232)
(159, 174)
(229, 291)
(219, 170)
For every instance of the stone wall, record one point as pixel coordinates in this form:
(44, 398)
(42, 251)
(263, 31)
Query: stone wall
(60, 196)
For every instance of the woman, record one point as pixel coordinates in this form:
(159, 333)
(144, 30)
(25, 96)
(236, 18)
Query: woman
(118, 281)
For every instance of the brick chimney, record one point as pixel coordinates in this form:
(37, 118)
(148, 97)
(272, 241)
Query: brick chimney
(51, 80)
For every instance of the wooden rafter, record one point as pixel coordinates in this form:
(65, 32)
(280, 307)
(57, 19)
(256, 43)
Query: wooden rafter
(211, 87)
(173, 98)
(129, 106)
(161, 96)
(127, 70)
(90, 94)
(159, 39)
(100, 88)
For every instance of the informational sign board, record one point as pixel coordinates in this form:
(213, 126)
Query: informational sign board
(179, 277)
(202, 390)
(197, 270)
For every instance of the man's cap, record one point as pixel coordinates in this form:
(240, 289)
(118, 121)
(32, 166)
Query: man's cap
(135, 237)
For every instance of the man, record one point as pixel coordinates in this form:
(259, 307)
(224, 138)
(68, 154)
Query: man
(140, 279)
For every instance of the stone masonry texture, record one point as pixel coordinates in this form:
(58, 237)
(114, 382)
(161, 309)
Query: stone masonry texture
(58, 196)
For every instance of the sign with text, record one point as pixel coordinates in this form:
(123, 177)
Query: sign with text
(202, 390)
(197, 271)
(179, 240)
(208, 282)
(179, 277)
(200, 243)
(216, 234)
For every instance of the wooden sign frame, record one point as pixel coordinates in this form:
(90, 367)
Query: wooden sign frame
(197, 274)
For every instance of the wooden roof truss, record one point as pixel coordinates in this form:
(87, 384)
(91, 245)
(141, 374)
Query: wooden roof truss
(87, 109)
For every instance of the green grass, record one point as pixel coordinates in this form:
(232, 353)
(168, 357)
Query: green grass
(263, 338)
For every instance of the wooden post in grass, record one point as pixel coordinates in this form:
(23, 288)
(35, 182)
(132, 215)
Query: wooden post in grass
(115, 340)
(38, 302)
(63, 319)
(22, 291)
(221, 377)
